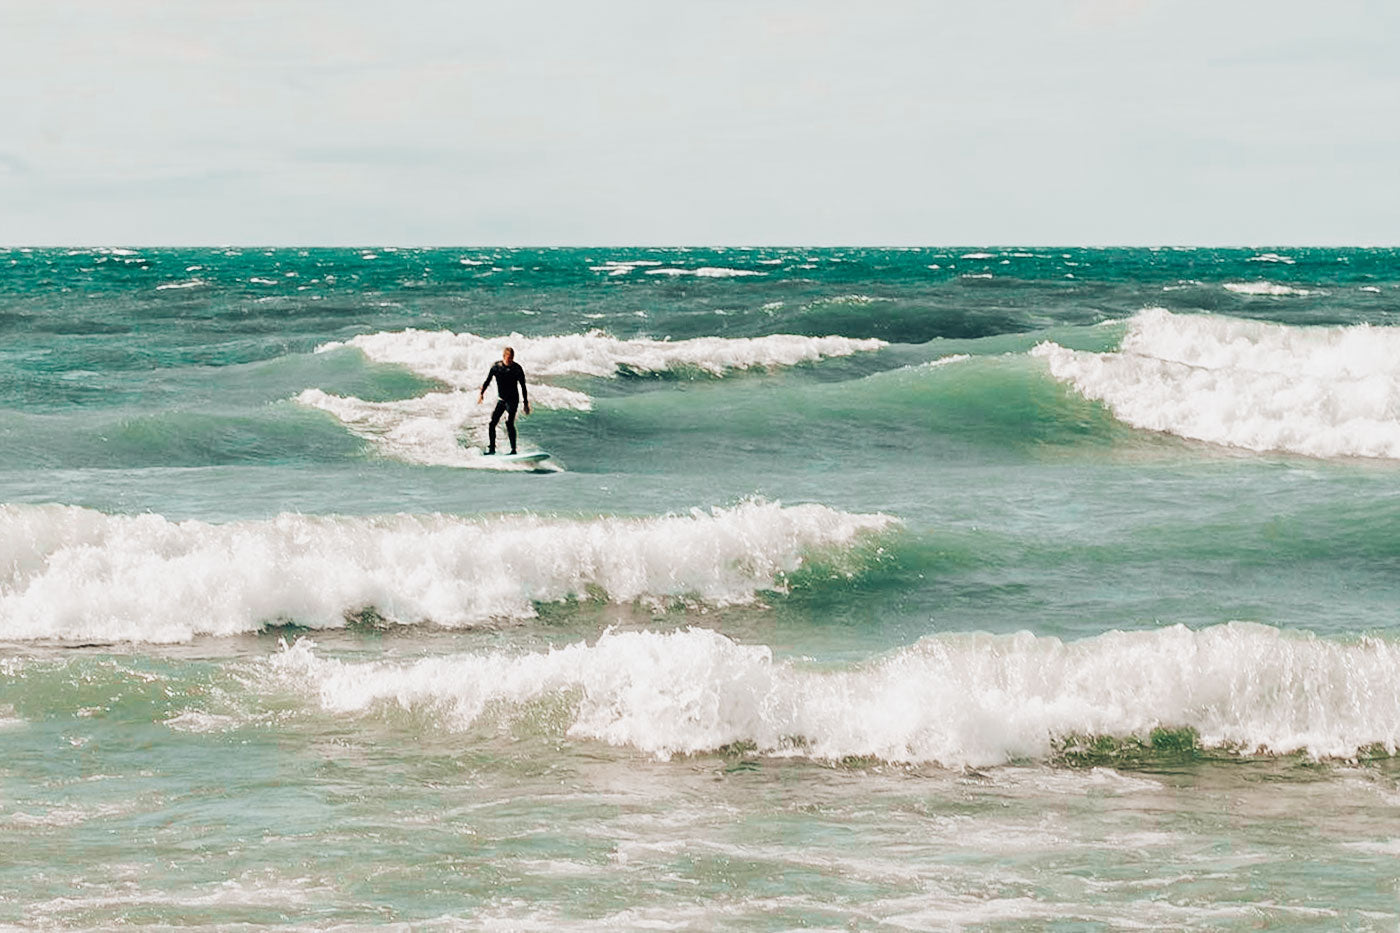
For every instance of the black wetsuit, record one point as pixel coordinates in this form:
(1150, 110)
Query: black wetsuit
(509, 377)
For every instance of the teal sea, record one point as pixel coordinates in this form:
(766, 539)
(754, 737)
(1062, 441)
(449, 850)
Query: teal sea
(984, 588)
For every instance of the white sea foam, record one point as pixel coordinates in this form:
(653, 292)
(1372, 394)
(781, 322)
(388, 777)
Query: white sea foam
(976, 256)
(263, 889)
(64, 816)
(954, 699)
(945, 361)
(706, 272)
(193, 720)
(1271, 289)
(76, 574)
(9, 719)
(623, 266)
(946, 899)
(188, 283)
(1273, 257)
(1387, 847)
(858, 300)
(1319, 391)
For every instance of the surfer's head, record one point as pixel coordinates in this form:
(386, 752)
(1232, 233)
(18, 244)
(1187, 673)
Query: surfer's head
(507, 354)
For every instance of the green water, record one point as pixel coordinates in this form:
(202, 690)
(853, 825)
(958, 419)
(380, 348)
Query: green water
(1048, 610)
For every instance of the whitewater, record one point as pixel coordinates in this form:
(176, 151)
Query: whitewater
(957, 701)
(1319, 391)
(76, 574)
(930, 588)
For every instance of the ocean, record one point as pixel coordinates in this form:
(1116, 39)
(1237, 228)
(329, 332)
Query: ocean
(981, 588)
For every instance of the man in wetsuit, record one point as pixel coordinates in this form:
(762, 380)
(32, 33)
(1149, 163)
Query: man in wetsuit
(509, 376)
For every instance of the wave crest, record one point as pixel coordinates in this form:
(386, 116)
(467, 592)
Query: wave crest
(462, 359)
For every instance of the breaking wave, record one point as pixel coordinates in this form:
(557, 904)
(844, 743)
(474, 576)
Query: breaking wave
(1317, 391)
(70, 573)
(950, 699)
(461, 360)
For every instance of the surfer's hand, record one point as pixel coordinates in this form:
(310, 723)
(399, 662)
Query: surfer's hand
(527, 408)
(479, 397)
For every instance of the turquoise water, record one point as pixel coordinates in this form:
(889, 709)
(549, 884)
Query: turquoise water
(969, 587)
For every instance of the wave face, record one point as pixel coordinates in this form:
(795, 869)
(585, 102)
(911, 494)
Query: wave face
(74, 574)
(427, 429)
(953, 699)
(1318, 391)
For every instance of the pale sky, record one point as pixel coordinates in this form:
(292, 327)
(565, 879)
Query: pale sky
(417, 122)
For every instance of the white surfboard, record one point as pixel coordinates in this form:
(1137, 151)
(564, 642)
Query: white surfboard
(533, 460)
(534, 456)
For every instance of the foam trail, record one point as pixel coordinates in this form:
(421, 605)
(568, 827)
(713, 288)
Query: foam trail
(76, 574)
(1318, 391)
(953, 699)
(426, 430)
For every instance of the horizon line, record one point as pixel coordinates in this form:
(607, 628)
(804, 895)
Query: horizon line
(681, 246)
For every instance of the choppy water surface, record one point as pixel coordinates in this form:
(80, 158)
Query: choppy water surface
(979, 587)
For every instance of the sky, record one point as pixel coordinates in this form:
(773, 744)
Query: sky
(568, 122)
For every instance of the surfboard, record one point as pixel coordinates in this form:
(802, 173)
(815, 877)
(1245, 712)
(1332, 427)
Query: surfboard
(534, 456)
(532, 460)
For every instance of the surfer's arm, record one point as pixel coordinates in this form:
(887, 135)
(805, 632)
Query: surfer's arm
(482, 394)
(524, 392)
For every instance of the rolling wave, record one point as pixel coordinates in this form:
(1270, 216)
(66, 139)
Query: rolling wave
(951, 699)
(70, 573)
(1317, 391)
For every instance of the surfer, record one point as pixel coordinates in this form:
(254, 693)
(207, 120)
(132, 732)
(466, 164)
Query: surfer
(509, 376)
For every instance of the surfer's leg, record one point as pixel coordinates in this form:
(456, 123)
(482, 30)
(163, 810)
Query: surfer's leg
(501, 409)
(510, 428)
